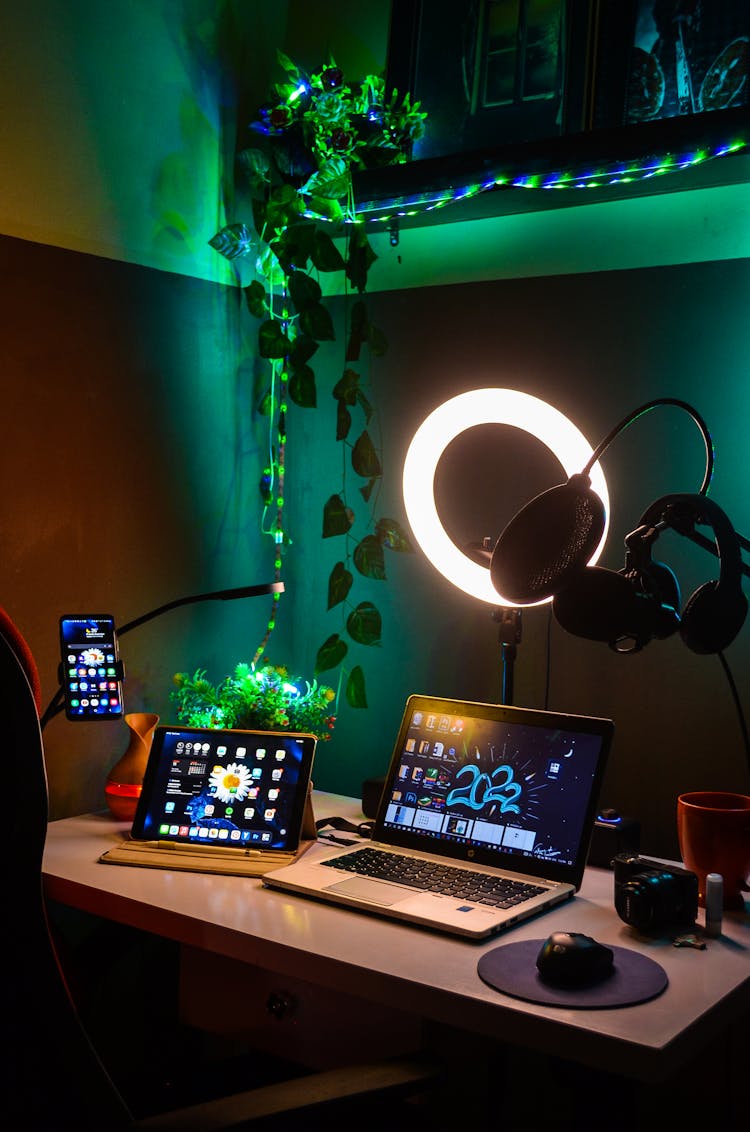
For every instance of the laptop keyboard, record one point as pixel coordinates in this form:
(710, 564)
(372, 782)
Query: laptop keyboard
(464, 884)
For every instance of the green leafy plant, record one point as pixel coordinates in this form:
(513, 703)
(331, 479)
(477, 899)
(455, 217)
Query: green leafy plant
(310, 135)
(258, 699)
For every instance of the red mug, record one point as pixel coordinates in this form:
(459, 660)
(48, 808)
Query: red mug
(713, 829)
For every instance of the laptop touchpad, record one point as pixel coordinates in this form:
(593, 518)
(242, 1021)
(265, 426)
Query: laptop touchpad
(376, 891)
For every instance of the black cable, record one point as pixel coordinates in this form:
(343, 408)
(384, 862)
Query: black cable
(548, 666)
(628, 420)
(220, 595)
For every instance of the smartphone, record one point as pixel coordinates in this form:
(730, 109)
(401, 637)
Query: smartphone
(91, 672)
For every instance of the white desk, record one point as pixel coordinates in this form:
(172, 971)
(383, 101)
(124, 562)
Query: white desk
(425, 974)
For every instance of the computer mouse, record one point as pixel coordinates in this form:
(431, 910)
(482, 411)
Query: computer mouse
(572, 959)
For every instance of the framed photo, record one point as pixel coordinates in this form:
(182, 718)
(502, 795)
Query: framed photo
(529, 88)
(666, 59)
(492, 72)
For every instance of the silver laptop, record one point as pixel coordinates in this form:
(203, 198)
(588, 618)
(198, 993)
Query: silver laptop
(485, 820)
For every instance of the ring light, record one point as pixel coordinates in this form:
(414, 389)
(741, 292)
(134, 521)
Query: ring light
(485, 406)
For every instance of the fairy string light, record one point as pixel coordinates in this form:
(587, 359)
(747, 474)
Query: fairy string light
(308, 137)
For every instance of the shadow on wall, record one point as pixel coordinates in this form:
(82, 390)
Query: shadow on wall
(595, 346)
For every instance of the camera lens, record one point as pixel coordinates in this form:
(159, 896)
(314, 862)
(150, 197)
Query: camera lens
(648, 900)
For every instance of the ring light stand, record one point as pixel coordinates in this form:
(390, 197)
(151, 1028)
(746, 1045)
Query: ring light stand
(468, 567)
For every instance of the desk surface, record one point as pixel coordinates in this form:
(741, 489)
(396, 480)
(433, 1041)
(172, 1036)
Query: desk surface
(431, 975)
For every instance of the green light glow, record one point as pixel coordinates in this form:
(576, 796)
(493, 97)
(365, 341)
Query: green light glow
(617, 173)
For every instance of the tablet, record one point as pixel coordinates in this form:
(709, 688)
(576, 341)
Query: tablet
(225, 789)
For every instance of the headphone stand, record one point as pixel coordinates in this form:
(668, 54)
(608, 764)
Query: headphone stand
(509, 636)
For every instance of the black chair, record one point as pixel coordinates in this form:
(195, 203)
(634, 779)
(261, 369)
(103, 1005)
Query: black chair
(53, 1077)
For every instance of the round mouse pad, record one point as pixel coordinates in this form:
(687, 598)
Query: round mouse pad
(512, 969)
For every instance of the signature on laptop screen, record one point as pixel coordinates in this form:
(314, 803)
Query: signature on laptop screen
(519, 788)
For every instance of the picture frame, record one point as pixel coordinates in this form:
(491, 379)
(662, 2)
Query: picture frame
(589, 122)
(659, 60)
(492, 72)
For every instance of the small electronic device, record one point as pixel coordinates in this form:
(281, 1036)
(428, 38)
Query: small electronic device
(222, 801)
(90, 667)
(613, 834)
(651, 895)
(574, 960)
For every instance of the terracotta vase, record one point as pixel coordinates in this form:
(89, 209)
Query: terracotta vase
(125, 780)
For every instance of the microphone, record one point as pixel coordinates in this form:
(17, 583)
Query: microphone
(548, 542)
(624, 609)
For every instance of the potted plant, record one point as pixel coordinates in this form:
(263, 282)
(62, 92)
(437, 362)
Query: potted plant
(255, 699)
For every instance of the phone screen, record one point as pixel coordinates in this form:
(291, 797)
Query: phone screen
(91, 671)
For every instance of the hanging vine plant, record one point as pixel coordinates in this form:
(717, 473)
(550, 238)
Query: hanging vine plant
(308, 137)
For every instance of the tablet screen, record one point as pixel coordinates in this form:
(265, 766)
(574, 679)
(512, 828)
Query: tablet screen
(239, 789)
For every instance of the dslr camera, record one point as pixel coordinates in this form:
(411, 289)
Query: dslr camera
(650, 894)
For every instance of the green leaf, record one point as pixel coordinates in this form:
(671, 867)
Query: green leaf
(324, 254)
(365, 405)
(268, 265)
(338, 518)
(293, 243)
(256, 166)
(302, 388)
(265, 404)
(346, 387)
(392, 535)
(361, 258)
(339, 584)
(304, 290)
(330, 653)
(365, 459)
(283, 208)
(303, 349)
(234, 241)
(286, 63)
(317, 322)
(343, 421)
(364, 624)
(272, 341)
(377, 342)
(366, 490)
(358, 331)
(369, 559)
(327, 208)
(255, 298)
(330, 181)
(355, 688)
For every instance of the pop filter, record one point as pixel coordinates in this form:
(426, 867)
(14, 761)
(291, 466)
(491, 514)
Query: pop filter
(548, 542)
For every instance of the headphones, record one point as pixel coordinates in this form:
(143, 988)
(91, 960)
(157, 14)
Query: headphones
(630, 607)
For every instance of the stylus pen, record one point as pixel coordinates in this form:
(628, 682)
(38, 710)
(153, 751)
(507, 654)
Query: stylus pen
(207, 851)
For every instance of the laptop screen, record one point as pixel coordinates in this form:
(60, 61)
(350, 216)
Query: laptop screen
(241, 789)
(500, 785)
